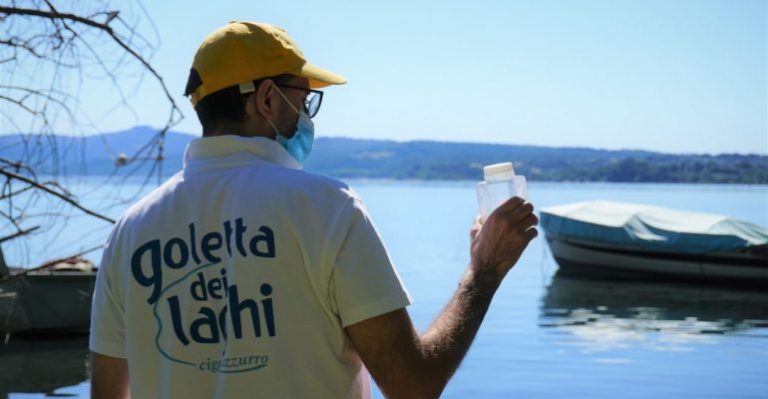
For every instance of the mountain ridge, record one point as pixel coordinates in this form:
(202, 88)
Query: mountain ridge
(343, 157)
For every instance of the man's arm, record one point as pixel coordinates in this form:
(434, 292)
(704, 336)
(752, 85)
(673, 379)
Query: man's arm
(405, 364)
(109, 377)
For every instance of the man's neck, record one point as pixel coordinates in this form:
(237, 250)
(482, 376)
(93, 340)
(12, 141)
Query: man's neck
(239, 130)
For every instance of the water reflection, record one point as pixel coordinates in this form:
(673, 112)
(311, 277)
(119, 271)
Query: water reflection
(42, 365)
(610, 314)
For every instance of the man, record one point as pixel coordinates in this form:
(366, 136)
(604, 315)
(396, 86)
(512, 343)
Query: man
(243, 276)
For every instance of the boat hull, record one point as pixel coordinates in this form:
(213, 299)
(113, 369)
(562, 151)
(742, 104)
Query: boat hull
(47, 302)
(585, 258)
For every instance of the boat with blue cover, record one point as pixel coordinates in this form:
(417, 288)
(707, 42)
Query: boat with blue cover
(605, 238)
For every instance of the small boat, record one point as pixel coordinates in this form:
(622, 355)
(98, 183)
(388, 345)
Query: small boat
(614, 239)
(54, 297)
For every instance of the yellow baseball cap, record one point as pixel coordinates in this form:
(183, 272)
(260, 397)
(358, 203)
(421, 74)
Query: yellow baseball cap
(242, 52)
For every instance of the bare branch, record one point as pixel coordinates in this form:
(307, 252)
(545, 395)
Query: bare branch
(19, 233)
(59, 195)
(48, 55)
(53, 14)
(17, 192)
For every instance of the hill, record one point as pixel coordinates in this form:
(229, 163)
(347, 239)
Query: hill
(423, 160)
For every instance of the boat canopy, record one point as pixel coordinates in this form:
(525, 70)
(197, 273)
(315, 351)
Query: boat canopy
(651, 227)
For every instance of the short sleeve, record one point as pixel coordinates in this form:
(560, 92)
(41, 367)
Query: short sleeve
(364, 282)
(107, 310)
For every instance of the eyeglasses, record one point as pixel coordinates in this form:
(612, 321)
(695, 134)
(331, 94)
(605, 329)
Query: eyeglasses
(311, 102)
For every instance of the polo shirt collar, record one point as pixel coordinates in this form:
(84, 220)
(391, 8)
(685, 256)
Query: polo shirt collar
(210, 148)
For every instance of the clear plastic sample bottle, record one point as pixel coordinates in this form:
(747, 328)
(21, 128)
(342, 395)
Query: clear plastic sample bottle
(500, 184)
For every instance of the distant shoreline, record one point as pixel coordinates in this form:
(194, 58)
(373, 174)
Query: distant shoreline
(438, 182)
(347, 158)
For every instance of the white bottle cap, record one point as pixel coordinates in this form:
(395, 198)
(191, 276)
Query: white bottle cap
(498, 170)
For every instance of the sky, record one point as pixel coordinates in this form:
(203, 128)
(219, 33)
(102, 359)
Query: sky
(672, 76)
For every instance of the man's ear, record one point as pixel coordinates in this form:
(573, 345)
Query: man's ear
(261, 102)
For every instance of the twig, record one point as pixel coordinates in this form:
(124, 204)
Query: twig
(59, 195)
(18, 234)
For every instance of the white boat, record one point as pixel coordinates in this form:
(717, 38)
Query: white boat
(603, 238)
(53, 298)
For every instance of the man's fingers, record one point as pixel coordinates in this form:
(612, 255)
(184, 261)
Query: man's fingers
(510, 206)
(517, 214)
(512, 203)
(522, 211)
(476, 226)
(478, 220)
(529, 221)
(531, 233)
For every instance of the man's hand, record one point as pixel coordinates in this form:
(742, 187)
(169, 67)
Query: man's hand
(405, 364)
(498, 243)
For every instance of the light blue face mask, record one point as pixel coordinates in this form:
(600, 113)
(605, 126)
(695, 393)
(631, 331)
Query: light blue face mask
(300, 145)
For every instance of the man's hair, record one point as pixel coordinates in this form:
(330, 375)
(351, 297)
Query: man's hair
(227, 105)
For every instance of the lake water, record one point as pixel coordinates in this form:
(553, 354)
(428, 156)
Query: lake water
(545, 336)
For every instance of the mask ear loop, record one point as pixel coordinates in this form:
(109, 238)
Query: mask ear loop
(249, 87)
(274, 129)
(280, 92)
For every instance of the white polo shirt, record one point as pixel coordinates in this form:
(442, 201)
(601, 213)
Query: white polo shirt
(237, 276)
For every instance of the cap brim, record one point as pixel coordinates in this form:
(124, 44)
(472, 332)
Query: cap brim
(319, 77)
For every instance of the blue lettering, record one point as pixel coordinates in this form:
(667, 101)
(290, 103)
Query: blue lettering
(224, 279)
(193, 243)
(211, 242)
(150, 258)
(208, 320)
(214, 286)
(268, 239)
(228, 236)
(266, 304)
(155, 279)
(183, 253)
(236, 307)
(173, 302)
(211, 327)
(239, 230)
(197, 288)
